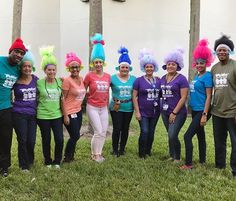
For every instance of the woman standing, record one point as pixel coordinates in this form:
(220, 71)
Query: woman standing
(174, 87)
(73, 95)
(49, 114)
(146, 102)
(98, 83)
(24, 111)
(121, 105)
(200, 100)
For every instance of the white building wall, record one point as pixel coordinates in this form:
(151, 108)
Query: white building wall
(154, 24)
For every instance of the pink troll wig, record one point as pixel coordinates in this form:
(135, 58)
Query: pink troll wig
(203, 52)
(70, 57)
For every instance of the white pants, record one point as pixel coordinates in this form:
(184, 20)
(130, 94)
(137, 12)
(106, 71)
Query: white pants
(98, 118)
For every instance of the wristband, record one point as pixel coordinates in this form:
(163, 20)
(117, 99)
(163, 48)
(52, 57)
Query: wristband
(174, 113)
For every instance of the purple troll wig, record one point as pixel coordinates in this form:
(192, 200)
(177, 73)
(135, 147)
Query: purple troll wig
(203, 52)
(175, 56)
(146, 57)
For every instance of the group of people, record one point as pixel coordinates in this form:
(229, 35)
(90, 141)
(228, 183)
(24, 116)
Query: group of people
(51, 102)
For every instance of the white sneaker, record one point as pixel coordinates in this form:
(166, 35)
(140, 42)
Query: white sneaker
(57, 166)
(49, 166)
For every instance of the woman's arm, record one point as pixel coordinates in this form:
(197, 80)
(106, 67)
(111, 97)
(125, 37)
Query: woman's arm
(65, 115)
(136, 106)
(207, 106)
(180, 104)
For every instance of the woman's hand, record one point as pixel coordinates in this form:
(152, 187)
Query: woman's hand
(138, 116)
(66, 120)
(203, 120)
(172, 118)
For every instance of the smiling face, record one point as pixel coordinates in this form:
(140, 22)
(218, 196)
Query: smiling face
(50, 71)
(74, 69)
(222, 53)
(124, 70)
(16, 55)
(201, 67)
(171, 67)
(26, 68)
(149, 69)
(98, 65)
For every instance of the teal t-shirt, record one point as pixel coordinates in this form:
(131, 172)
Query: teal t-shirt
(198, 91)
(8, 76)
(49, 97)
(122, 91)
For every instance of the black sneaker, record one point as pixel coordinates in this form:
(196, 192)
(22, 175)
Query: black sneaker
(4, 172)
(122, 153)
(115, 153)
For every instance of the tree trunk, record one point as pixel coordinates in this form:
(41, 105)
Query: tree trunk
(194, 33)
(17, 14)
(95, 26)
(95, 19)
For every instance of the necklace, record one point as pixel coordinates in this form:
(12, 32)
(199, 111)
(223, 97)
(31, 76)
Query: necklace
(172, 77)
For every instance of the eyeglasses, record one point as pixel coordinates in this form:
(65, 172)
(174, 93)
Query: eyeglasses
(74, 67)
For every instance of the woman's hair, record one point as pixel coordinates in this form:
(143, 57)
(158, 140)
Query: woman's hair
(146, 57)
(203, 52)
(47, 56)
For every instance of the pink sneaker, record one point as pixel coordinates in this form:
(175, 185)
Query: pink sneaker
(186, 167)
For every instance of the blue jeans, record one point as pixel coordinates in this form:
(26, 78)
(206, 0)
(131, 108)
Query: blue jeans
(74, 131)
(221, 126)
(147, 131)
(25, 127)
(195, 128)
(45, 126)
(121, 122)
(173, 132)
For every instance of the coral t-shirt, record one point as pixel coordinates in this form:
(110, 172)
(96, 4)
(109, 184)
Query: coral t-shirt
(75, 95)
(98, 95)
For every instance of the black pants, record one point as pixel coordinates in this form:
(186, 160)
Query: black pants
(6, 130)
(74, 131)
(25, 127)
(45, 126)
(195, 128)
(121, 122)
(221, 126)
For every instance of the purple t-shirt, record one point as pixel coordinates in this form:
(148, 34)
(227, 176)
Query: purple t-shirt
(25, 97)
(171, 93)
(148, 96)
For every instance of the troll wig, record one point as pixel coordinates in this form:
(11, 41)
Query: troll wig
(97, 51)
(146, 57)
(28, 57)
(124, 58)
(47, 56)
(203, 52)
(71, 57)
(175, 56)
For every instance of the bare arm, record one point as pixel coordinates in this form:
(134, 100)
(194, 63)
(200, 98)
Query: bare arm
(207, 106)
(66, 117)
(180, 104)
(136, 106)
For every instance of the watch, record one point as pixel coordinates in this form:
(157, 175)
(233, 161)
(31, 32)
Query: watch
(204, 114)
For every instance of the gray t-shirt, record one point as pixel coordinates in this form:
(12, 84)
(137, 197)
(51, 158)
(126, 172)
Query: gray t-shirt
(224, 99)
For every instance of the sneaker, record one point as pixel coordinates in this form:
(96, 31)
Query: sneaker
(121, 152)
(176, 161)
(115, 153)
(57, 166)
(4, 172)
(49, 166)
(186, 167)
(25, 170)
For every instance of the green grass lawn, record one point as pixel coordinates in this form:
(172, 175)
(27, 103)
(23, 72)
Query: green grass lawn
(123, 178)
